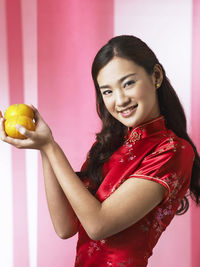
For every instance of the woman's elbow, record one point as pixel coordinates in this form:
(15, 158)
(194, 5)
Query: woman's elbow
(66, 235)
(66, 232)
(96, 233)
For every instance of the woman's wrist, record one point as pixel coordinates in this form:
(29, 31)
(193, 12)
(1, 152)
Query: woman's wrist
(48, 147)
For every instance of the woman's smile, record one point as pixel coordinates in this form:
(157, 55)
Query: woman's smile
(128, 91)
(127, 112)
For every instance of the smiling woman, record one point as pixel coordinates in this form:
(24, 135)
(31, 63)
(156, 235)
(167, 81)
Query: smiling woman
(131, 99)
(138, 171)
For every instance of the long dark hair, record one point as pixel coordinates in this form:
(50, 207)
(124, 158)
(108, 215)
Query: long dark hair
(112, 133)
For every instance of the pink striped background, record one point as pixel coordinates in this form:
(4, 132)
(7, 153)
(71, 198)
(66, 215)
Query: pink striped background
(16, 93)
(67, 41)
(46, 51)
(195, 111)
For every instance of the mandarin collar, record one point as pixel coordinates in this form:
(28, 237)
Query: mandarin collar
(151, 127)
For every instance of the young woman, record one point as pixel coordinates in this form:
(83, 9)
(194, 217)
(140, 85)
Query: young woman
(138, 171)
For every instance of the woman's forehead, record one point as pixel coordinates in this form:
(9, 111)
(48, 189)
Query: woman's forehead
(116, 69)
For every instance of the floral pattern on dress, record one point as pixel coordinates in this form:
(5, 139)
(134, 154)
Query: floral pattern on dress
(170, 145)
(122, 263)
(125, 262)
(129, 154)
(112, 188)
(93, 247)
(134, 137)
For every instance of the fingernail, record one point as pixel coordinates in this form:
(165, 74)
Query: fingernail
(20, 128)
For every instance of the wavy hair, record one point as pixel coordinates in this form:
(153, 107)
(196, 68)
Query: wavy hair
(112, 133)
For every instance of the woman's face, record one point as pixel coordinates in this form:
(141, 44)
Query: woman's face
(129, 93)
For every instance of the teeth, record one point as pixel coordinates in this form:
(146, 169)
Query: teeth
(129, 109)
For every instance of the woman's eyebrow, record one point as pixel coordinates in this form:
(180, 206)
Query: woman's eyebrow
(120, 80)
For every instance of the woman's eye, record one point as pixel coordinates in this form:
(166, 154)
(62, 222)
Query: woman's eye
(107, 92)
(129, 83)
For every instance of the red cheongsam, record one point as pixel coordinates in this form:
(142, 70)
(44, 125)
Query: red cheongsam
(150, 152)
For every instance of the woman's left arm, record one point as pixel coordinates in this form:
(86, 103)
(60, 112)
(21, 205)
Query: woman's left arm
(128, 204)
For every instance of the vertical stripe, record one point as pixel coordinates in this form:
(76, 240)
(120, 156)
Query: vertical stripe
(29, 35)
(195, 239)
(160, 24)
(6, 199)
(69, 35)
(32, 202)
(14, 35)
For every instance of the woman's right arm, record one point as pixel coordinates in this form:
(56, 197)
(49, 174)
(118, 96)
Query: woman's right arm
(62, 215)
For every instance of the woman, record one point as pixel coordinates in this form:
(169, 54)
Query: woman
(138, 171)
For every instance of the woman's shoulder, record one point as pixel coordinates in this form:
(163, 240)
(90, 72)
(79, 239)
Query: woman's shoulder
(174, 143)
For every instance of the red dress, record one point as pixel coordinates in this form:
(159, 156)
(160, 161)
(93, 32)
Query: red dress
(150, 152)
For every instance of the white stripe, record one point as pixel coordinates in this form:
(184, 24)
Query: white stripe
(29, 35)
(32, 196)
(6, 193)
(166, 27)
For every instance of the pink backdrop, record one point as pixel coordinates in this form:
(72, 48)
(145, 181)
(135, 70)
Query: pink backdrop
(16, 94)
(195, 111)
(46, 51)
(69, 34)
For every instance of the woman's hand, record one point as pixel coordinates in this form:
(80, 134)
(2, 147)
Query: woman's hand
(37, 139)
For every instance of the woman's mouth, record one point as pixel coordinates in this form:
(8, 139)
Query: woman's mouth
(128, 111)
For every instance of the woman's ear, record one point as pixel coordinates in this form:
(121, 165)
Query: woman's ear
(158, 76)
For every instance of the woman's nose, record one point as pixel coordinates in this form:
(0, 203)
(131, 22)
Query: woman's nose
(121, 99)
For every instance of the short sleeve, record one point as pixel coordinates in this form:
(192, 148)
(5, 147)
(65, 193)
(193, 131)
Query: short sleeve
(170, 165)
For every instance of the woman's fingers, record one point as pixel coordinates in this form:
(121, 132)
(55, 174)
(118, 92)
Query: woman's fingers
(19, 143)
(2, 131)
(37, 115)
(34, 139)
(4, 137)
(24, 131)
(25, 143)
(33, 107)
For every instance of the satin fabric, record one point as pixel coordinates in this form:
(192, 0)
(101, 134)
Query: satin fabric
(150, 152)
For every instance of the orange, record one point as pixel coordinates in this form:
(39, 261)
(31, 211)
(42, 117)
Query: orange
(11, 122)
(18, 114)
(19, 109)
